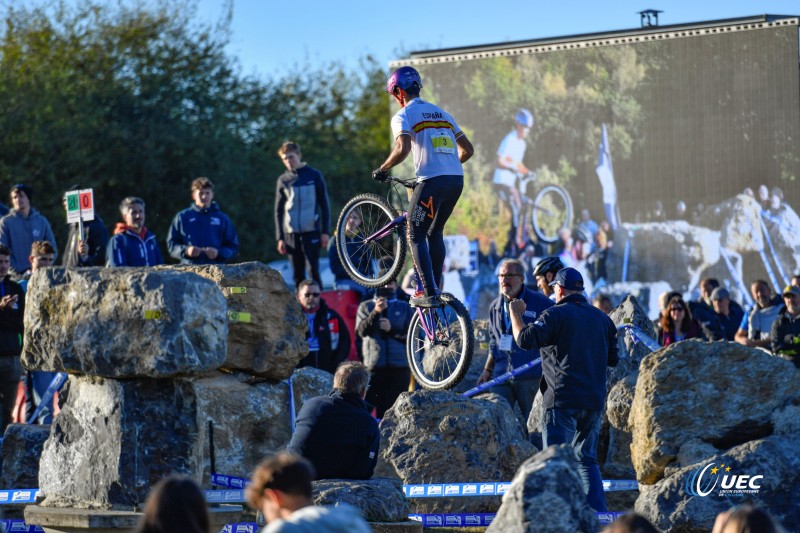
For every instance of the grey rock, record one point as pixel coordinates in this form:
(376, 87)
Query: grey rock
(546, 495)
(630, 353)
(100, 322)
(441, 437)
(114, 439)
(678, 396)
(668, 505)
(619, 401)
(261, 425)
(738, 220)
(378, 499)
(22, 448)
(536, 415)
(271, 340)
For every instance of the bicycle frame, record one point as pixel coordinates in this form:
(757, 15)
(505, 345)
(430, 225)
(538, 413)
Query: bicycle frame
(428, 322)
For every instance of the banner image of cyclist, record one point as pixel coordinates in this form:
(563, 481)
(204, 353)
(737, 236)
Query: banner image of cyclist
(509, 168)
(439, 148)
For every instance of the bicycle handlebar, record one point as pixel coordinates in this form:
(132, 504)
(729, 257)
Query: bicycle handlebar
(408, 184)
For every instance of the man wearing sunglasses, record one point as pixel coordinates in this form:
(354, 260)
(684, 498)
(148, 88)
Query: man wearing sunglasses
(504, 354)
(328, 336)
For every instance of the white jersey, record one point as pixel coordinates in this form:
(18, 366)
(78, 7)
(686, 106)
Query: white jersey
(433, 134)
(510, 152)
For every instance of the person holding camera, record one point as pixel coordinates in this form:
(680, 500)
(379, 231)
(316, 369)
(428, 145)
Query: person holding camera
(382, 323)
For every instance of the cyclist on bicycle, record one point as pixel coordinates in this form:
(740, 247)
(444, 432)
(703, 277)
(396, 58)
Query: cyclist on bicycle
(509, 168)
(439, 147)
(545, 272)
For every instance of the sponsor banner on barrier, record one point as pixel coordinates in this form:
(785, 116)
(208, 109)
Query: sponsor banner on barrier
(225, 496)
(241, 527)
(482, 519)
(230, 482)
(20, 526)
(453, 520)
(492, 489)
(18, 496)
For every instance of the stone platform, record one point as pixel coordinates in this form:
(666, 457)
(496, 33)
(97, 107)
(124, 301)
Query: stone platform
(59, 520)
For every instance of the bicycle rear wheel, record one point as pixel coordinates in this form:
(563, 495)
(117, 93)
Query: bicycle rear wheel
(552, 211)
(375, 243)
(439, 344)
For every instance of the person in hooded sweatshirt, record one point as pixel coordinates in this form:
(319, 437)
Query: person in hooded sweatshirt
(202, 234)
(132, 245)
(21, 227)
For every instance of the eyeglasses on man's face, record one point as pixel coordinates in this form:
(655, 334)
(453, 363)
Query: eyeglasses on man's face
(502, 276)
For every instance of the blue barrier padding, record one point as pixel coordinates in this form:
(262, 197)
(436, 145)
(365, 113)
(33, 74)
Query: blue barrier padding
(482, 519)
(20, 526)
(640, 336)
(240, 527)
(18, 496)
(292, 414)
(225, 496)
(47, 398)
(500, 379)
(230, 482)
(432, 490)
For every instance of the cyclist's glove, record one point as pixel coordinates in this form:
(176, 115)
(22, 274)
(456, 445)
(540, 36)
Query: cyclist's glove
(380, 175)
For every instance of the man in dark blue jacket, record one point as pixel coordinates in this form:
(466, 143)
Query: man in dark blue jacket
(202, 234)
(577, 341)
(132, 245)
(336, 432)
(504, 354)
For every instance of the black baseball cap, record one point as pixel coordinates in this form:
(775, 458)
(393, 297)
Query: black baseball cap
(569, 278)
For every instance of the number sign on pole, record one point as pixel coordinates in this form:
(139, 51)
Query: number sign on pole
(80, 205)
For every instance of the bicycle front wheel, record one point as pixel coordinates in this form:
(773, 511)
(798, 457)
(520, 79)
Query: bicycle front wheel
(370, 240)
(552, 211)
(439, 344)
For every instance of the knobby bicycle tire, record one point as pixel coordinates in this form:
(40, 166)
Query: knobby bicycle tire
(442, 363)
(539, 218)
(361, 259)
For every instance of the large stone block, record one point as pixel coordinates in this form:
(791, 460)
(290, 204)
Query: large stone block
(124, 322)
(670, 507)
(546, 496)
(114, 439)
(250, 417)
(378, 499)
(441, 437)
(694, 399)
(266, 333)
(22, 447)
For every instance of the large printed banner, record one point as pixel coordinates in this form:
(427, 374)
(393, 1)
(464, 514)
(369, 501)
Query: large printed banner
(648, 162)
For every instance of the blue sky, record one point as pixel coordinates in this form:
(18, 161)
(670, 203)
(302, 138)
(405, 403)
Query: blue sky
(270, 38)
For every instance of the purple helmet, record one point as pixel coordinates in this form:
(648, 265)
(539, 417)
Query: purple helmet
(404, 77)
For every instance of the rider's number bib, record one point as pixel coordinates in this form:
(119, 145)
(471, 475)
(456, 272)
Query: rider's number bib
(442, 143)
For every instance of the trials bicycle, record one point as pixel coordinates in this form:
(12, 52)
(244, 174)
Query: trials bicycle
(549, 209)
(371, 241)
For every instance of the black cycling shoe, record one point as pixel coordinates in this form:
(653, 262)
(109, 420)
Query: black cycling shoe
(426, 301)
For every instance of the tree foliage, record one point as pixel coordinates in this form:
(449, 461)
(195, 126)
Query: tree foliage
(139, 100)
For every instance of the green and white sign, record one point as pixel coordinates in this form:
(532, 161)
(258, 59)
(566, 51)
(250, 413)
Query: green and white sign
(80, 205)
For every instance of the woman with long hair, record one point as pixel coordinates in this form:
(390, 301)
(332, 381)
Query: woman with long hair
(174, 504)
(677, 323)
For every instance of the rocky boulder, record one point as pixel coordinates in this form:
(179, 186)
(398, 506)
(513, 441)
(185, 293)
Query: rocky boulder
(441, 437)
(124, 322)
(266, 331)
(670, 507)
(631, 351)
(546, 495)
(22, 447)
(617, 461)
(739, 222)
(250, 417)
(675, 416)
(378, 499)
(114, 439)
